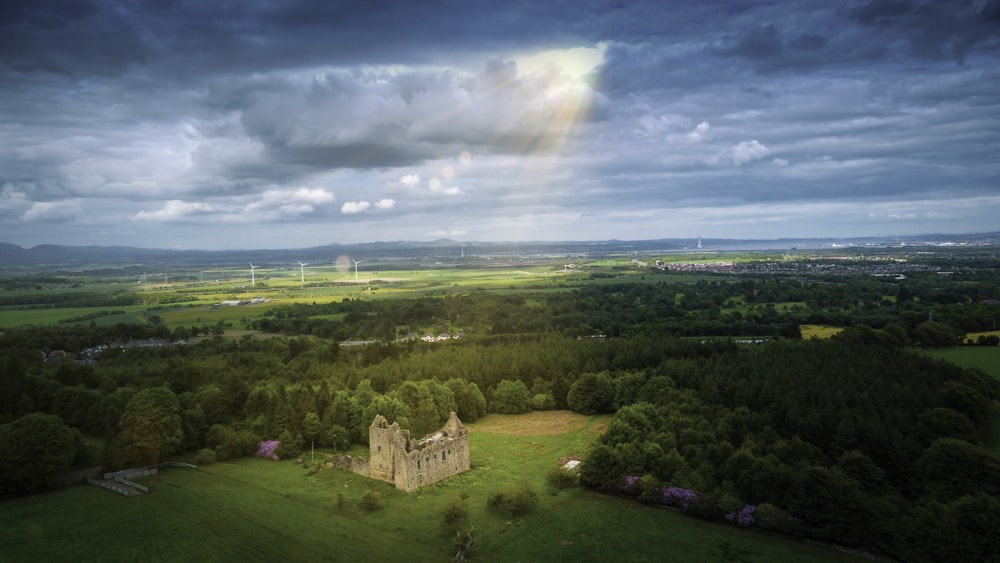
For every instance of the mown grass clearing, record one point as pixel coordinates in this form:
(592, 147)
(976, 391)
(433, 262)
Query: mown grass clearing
(258, 510)
(538, 423)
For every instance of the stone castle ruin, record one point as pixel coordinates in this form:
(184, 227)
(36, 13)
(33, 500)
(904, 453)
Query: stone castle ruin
(407, 463)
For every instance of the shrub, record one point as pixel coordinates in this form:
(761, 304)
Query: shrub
(267, 449)
(496, 501)
(650, 489)
(204, 456)
(371, 501)
(743, 517)
(289, 445)
(543, 402)
(519, 501)
(231, 443)
(455, 515)
(562, 478)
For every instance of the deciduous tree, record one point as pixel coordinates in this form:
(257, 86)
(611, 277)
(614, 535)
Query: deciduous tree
(150, 427)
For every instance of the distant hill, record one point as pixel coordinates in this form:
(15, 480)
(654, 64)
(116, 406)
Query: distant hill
(79, 256)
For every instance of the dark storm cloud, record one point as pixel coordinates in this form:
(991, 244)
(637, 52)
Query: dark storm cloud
(479, 119)
(191, 38)
(771, 50)
(934, 30)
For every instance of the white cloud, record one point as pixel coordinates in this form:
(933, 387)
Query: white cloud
(410, 180)
(661, 124)
(447, 233)
(352, 207)
(437, 187)
(385, 203)
(575, 62)
(742, 153)
(52, 210)
(174, 210)
(297, 209)
(293, 200)
(700, 131)
(12, 197)
(314, 195)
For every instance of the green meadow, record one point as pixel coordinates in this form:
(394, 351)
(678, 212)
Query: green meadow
(986, 358)
(256, 510)
(10, 318)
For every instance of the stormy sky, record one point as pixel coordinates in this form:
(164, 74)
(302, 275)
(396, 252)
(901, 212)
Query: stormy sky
(284, 123)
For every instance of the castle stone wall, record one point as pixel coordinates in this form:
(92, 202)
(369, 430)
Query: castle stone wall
(358, 465)
(407, 463)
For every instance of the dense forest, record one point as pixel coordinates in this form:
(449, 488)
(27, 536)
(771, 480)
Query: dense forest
(856, 439)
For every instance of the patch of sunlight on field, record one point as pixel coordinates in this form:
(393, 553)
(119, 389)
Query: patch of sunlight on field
(537, 423)
(819, 331)
(972, 337)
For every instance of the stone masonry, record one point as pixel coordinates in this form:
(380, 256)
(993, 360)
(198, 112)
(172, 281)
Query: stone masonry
(407, 463)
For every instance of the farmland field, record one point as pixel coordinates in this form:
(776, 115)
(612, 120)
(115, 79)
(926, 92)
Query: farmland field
(254, 509)
(818, 331)
(986, 358)
(196, 302)
(20, 317)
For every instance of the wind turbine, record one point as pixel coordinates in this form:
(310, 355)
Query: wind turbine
(302, 270)
(253, 280)
(356, 262)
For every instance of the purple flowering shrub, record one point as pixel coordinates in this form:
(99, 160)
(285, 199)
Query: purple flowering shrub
(676, 496)
(268, 448)
(648, 489)
(743, 517)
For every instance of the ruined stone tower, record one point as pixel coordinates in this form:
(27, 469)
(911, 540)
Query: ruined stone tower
(408, 464)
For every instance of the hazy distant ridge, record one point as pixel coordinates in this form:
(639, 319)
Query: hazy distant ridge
(12, 254)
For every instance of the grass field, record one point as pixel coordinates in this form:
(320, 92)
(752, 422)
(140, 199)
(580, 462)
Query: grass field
(322, 284)
(986, 358)
(10, 318)
(260, 510)
(818, 331)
